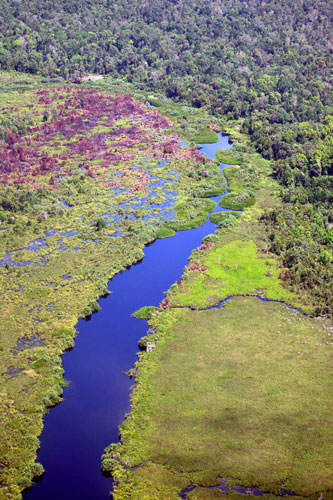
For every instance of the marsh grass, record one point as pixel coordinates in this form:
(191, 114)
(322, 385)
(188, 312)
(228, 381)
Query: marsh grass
(191, 213)
(239, 201)
(219, 217)
(242, 181)
(224, 156)
(165, 232)
(234, 269)
(205, 494)
(144, 312)
(240, 392)
(205, 136)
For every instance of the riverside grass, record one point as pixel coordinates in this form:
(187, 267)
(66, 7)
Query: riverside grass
(241, 188)
(242, 392)
(224, 156)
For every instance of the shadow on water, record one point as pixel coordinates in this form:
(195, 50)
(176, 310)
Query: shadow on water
(78, 429)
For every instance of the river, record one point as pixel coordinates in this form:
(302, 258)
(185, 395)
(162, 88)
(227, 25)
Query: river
(78, 429)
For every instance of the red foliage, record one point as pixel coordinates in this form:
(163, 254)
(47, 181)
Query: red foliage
(78, 111)
(165, 304)
(195, 266)
(11, 138)
(205, 246)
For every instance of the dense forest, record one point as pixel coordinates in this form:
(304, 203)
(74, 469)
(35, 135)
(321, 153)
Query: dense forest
(264, 63)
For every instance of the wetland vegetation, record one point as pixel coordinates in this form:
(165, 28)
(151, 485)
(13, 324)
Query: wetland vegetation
(235, 396)
(88, 184)
(102, 105)
(237, 392)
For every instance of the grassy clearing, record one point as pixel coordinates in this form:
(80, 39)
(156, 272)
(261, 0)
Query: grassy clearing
(240, 392)
(236, 268)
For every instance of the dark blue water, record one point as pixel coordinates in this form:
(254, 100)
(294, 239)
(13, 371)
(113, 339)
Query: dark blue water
(225, 488)
(78, 429)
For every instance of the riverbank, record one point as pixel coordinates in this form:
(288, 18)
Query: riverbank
(238, 392)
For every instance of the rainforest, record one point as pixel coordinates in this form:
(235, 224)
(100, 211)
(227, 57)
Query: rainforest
(166, 250)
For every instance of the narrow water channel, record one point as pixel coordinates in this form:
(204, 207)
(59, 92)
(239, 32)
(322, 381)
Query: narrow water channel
(79, 428)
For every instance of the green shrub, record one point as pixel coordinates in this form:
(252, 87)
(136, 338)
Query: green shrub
(41, 362)
(53, 396)
(92, 307)
(100, 224)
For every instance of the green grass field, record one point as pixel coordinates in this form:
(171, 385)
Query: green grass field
(236, 268)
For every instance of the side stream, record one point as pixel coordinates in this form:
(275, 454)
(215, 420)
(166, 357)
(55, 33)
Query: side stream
(79, 428)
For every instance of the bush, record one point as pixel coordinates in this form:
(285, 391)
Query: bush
(100, 224)
(92, 307)
(53, 396)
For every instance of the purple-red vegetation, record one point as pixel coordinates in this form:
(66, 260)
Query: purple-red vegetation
(165, 304)
(81, 130)
(205, 246)
(195, 266)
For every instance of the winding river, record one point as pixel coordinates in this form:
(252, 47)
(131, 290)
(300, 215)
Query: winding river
(78, 429)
